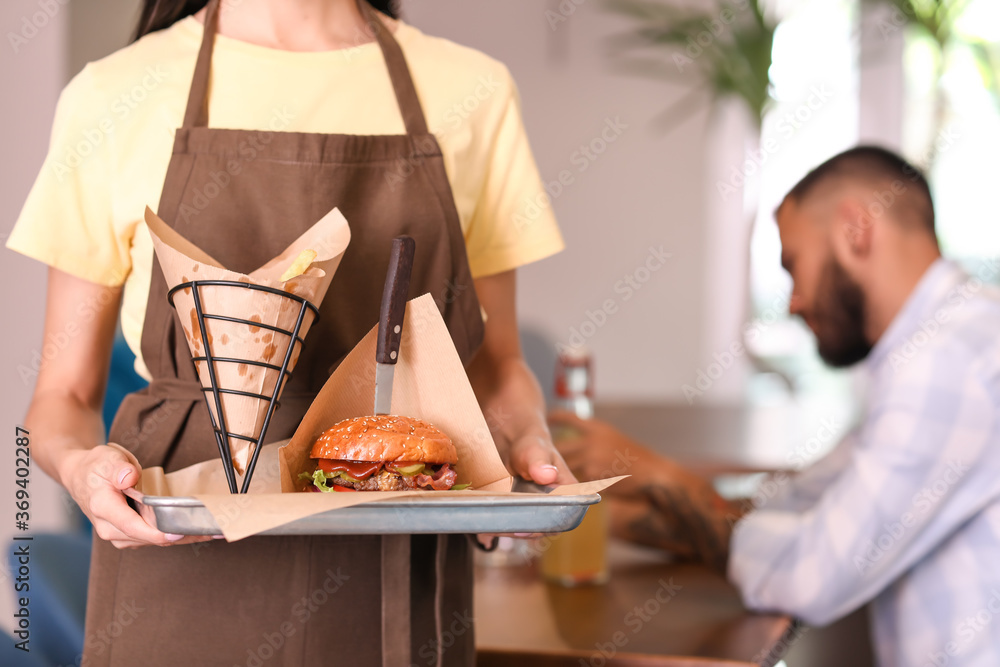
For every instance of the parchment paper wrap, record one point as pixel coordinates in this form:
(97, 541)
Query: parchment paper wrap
(430, 383)
(182, 262)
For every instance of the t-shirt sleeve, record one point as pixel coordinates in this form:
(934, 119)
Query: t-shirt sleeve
(513, 223)
(67, 219)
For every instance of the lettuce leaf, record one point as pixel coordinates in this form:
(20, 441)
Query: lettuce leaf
(318, 479)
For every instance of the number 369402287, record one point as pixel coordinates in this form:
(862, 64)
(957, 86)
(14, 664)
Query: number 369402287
(22, 470)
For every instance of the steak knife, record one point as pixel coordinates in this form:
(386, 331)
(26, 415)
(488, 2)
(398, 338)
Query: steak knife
(390, 321)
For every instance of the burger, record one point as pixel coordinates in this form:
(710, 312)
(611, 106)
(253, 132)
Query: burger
(383, 453)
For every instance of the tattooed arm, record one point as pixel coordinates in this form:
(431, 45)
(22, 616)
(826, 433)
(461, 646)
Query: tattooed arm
(687, 518)
(662, 504)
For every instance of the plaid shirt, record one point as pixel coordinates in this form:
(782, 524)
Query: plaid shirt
(905, 512)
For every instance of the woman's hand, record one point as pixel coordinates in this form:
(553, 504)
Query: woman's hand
(534, 457)
(96, 478)
(596, 450)
(65, 413)
(508, 392)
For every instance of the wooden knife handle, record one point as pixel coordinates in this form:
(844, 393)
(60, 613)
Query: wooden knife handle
(397, 288)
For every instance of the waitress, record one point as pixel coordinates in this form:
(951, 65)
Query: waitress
(245, 122)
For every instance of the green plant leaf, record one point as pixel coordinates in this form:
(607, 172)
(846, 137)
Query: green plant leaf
(736, 62)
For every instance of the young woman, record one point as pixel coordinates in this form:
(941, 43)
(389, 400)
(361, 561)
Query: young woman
(243, 124)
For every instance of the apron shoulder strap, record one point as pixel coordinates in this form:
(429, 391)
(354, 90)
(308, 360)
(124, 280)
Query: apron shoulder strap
(196, 114)
(399, 72)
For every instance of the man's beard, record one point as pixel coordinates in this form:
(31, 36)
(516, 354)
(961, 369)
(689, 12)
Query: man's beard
(840, 318)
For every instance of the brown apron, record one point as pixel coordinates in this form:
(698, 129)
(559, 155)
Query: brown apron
(243, 196)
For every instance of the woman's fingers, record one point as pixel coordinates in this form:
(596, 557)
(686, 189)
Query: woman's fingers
(107, 470)
(129, 532)
(122, 522)
(534, 458)
(126, 472)
(110, 466)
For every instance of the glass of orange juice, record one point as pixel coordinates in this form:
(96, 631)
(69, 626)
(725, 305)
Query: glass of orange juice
(579, 556)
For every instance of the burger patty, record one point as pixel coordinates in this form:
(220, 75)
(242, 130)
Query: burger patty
(441, 478)
(384, 480)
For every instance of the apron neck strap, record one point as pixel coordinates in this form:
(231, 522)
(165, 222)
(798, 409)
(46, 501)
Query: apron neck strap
(399, 72)
(196, 114)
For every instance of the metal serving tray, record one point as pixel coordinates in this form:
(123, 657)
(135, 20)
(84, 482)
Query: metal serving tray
(527, 513)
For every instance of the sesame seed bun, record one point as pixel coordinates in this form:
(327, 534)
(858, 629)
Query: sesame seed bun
(385, 438)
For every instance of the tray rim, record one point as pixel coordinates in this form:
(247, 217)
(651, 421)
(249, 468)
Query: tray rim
(521, 500)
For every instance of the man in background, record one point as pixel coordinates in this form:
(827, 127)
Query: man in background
(905, 511)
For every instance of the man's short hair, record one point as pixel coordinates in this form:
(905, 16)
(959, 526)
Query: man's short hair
(893, 181)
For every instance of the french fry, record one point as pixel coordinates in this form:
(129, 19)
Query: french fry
(299, 266)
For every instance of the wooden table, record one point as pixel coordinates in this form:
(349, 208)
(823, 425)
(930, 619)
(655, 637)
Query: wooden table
(650, 606)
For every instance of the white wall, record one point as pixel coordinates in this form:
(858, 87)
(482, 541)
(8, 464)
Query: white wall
(645, 190)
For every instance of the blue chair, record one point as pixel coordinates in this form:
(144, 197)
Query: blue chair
(122, 378)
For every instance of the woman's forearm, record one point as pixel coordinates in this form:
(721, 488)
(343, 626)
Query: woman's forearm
(512, 402)
(61, 426)
(65, 413)
(508, 392)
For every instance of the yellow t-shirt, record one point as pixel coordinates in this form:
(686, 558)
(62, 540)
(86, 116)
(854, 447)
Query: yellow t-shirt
(115, 122)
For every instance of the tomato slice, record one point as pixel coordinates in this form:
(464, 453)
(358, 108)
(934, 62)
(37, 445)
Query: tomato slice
(343, 489)
(356, 469)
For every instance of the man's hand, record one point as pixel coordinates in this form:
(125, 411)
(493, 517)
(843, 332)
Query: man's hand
(662, 504)
(594, 449)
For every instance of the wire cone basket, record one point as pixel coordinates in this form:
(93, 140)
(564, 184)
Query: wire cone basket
(245, 340)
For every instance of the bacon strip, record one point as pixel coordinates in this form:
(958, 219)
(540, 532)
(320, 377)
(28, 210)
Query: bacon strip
(442, 480)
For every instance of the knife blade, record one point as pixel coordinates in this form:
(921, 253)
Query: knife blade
(390, 321)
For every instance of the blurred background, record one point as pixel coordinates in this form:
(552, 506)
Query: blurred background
(681, 126)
